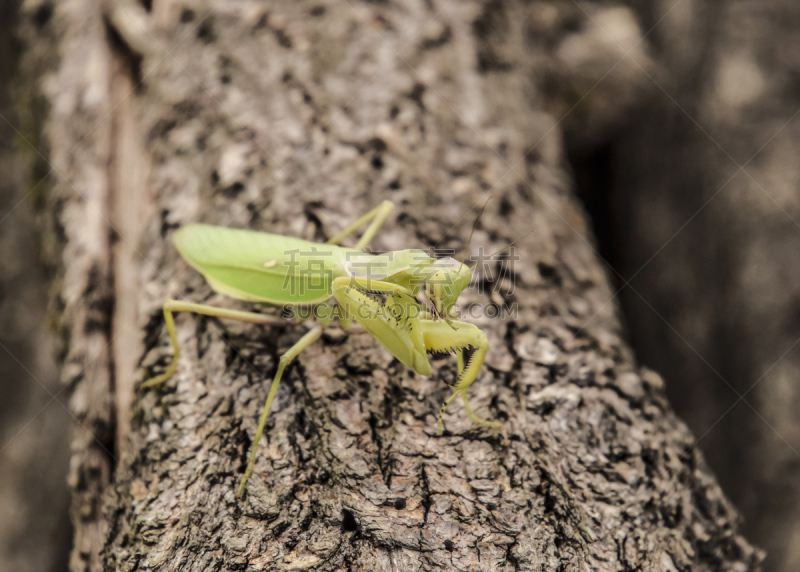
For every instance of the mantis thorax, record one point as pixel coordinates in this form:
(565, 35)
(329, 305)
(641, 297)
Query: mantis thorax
(443, 279)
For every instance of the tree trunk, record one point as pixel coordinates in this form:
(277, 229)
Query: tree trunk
(295, 118)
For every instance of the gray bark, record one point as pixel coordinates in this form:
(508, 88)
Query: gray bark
(295, 118)
(706, 201)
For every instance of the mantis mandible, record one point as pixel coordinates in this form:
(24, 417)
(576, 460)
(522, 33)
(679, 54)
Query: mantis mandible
(380, 291)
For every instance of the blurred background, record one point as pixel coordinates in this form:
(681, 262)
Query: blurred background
(35, 533)
(695, 198)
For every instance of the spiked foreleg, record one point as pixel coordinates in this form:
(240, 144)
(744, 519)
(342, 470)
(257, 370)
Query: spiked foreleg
(440, 337)
(394, 322)
(467, 408)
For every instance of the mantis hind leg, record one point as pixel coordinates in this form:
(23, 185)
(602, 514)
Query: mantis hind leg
(171, 306)
(377, 216)
(308, 339)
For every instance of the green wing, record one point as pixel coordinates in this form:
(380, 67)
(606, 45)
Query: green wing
(262, 267)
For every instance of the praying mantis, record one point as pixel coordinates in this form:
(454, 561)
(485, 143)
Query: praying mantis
(381, 292)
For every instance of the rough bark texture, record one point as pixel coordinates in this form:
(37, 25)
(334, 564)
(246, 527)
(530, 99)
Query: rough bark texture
(705, 195)
(295, 118)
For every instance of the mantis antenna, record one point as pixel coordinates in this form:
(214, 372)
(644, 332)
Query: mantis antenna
(510, 244)
(475, 225)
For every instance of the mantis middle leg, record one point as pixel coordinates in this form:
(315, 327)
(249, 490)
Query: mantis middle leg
(378, 216)
(309, 338)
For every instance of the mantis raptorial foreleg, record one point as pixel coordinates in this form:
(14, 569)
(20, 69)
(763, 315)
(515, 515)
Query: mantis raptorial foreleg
(394, 323)
(406, 329)
(470, 413)
(171, 306)
(440, 337)
(474, 417)
(285, 360)
(371, 286)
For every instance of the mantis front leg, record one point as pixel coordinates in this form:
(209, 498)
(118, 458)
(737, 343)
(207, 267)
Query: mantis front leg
(405, 328)
(395, 322)
(441, 337)
(470, 413)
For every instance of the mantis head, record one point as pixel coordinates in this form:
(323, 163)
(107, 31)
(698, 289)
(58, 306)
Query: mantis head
(450, 277)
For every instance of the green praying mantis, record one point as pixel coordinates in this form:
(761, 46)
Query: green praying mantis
(379, 291)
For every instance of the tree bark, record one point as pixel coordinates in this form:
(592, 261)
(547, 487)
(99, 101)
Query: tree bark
(295, 119)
